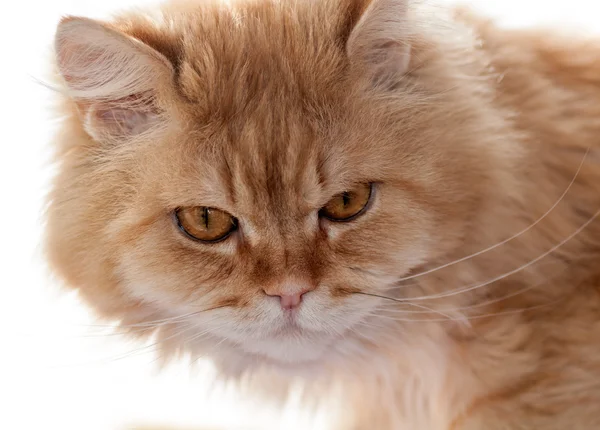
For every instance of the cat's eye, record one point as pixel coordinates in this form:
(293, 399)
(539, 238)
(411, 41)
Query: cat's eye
(205, 223)
(348, 205)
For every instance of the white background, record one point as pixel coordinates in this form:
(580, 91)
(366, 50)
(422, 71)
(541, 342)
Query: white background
(57, 371)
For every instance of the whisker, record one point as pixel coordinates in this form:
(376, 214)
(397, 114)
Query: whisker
(427, 309)
(516, 235)
(370, 324)
(473, 317)
(354, 329)
(405, 302)
(160, 341)
(128, 354)
(152, 345)
(512, 272)
(335, 330)
(187, 340)
(146, 348)
(46, 85)
(204, 333)
(157, 322)
(363, 324)
(213, 348)
(483, 304)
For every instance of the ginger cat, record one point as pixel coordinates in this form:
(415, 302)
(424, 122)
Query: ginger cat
(382, 196)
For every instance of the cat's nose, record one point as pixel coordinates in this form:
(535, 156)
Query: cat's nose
(289, 300)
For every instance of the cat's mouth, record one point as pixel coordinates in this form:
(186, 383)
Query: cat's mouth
(291, 326)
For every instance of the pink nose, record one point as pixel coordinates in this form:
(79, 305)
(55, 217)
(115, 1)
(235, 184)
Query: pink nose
(289, 301)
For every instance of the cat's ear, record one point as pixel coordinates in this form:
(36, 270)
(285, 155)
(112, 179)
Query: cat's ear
(112, 77)
(379, 44)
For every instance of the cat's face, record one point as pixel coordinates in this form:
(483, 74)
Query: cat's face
(261, 175)
(274, 183)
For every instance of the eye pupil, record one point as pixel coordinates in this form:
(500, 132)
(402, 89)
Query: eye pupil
(346, 198)
(205, 217)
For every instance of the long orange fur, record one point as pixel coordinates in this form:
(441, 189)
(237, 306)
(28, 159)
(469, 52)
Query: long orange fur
(267, 109)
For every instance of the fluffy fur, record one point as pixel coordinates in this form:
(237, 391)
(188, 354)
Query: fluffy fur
(467, 296)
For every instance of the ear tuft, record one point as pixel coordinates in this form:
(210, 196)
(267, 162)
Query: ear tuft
(379, 44)
(111, 76)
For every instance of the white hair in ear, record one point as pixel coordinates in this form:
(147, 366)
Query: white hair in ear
(111, 76)
(379, 44)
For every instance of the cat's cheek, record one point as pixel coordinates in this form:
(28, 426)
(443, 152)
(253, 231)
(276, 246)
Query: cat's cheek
(150, 287)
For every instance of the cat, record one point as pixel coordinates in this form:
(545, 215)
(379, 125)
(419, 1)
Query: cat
(392, 202)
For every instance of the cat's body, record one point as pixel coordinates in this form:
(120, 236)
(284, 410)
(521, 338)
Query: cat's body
(473, 135)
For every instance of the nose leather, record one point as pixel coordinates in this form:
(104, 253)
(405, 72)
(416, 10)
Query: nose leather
(290, 293)
(290, 301)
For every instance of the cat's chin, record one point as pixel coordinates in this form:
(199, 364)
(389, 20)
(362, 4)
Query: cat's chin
(237, 360)
(285, 345)
(284, 353)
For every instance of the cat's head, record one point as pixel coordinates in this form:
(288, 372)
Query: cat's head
(252, 174)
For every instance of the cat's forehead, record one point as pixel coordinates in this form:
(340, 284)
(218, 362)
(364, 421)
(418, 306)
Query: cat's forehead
(262, 164)
(233, 58)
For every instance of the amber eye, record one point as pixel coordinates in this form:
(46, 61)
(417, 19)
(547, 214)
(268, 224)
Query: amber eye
(205, 223)
(348, 205)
